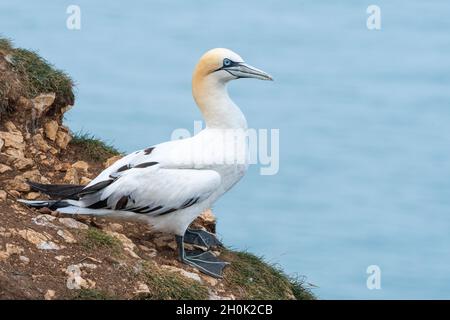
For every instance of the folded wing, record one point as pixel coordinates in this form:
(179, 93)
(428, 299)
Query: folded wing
(153, 190)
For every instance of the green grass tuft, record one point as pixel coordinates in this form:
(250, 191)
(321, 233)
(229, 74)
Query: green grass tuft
(97, 238)
(166, 285)
(92, 148)
(40, 76)
(255, 279)
(300, 290)
(26, 74)
(5, 45)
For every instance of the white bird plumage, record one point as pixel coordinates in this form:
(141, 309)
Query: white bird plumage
(169, 184)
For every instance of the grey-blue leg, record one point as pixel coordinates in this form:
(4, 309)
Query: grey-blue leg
(201, 238)
(206, 262)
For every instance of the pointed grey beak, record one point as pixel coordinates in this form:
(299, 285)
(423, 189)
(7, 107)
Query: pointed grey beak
(243, 70)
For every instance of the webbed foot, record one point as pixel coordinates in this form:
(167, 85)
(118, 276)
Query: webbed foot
(206, 262)
(201, 238)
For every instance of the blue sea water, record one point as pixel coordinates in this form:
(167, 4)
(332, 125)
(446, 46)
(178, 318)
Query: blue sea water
(363, 115)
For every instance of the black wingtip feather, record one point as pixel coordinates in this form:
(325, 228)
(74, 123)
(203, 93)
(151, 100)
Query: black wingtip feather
(68, 191)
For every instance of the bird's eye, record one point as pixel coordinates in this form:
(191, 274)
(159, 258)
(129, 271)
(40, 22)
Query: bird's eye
(226, 62)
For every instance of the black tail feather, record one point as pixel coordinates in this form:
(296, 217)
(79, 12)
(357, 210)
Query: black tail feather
(69, 191)
(51, 204)
(62, 191)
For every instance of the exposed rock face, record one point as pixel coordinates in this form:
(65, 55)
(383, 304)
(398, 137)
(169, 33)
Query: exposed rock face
(18, 184)
(13, 148)
(42, 103)
(81, 166)
(51, 129)
(44, 220)
(4, 168)
(32, 195)
(73, 224)
(141, 288)
(111, 161)
(63, 137)
(184, 273)
(41, 241)
(12, 140)
(22, 163)
(67, 236)
(3, 195)
(71, 176)
(75, 279)
(23, 141)
(40, 143)
(49, 295)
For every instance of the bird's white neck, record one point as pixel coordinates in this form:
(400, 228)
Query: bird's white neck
(218, 110)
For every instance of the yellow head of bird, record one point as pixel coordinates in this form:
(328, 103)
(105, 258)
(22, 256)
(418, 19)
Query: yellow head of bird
(223, 65)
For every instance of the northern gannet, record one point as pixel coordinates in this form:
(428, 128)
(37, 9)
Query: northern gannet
(168, 185)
